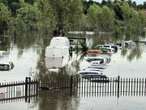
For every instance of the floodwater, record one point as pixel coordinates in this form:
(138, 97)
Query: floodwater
(130, 65)
(29, 62)
(77, 103)
(24, 65)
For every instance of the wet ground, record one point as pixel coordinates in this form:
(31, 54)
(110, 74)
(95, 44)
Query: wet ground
(130, 63)
(77, 103)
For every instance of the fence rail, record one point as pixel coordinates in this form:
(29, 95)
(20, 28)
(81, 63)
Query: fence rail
(75, 86)
(17, 90)
(113, 87)
(91, 86)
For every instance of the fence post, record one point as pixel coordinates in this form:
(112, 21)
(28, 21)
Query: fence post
(71, 85)
(145, 88)
(37, 87)
(118, 87)
(27, 86)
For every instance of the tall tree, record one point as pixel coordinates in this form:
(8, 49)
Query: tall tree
(27, 17)
(47, 21)
(101, 18)
(13, 5)
(92, 13)
(68, 13)
(106, 19)
(5, 15)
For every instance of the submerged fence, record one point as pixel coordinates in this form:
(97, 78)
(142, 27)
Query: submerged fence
(112, 87)
(17, 90)
(74, 86)
(84, 87)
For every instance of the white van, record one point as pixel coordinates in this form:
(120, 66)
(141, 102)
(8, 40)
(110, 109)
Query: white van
(57, 53)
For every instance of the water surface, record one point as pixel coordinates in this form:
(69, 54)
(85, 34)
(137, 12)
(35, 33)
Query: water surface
(29, 61)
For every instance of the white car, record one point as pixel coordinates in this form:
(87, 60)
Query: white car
(102, 59)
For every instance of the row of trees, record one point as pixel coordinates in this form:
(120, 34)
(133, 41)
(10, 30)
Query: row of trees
(44, 15)
(109, 3)
(121, 18)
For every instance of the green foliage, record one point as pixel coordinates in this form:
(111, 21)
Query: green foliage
(68, 13)
(47, 22)
(106, 21)
(27, 18)
(5, 15)
(93, 15)
(13, 5)
(122, 18)
(130, 23)
(101, 18)
(30, 1)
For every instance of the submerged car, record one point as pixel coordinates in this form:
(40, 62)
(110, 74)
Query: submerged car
(6, 66)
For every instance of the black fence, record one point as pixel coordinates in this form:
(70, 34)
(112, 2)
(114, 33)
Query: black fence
(74, 86)
(18, 90)
(112, 87)
(84, 87)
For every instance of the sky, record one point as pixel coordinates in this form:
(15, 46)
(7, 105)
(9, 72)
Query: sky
(137, 1)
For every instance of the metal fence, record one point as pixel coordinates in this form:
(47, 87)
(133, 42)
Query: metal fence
(17, 90)
(112, 87)
(74, 86)
(78, 86)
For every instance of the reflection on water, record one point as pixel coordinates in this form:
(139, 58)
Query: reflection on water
(27, 54)
(24, 65)
(111, 103)
(48, 102)
(133, 52)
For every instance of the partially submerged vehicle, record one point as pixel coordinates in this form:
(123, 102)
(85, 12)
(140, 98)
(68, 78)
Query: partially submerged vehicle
(102, 59)
(94, 76)
(112, 47)
(108, 48)
(90, 71)
(6, 66)
(129, 44)
(97, 67)
(57, 53)
(93, 52)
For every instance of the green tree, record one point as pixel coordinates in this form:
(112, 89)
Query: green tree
(129, 23)
(27, 18)
(101, 18)
(47, 22)
(30, 1)
(93, 15)
(13, 5)
(68, 13)
(133, 22)
(106, 19)
(5, 16)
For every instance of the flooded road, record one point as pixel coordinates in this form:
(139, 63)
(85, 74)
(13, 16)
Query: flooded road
(76, 103)
(29, 62)
(120, 65)
(25, 64)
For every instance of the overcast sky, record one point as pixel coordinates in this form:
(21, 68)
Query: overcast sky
(137, 1)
